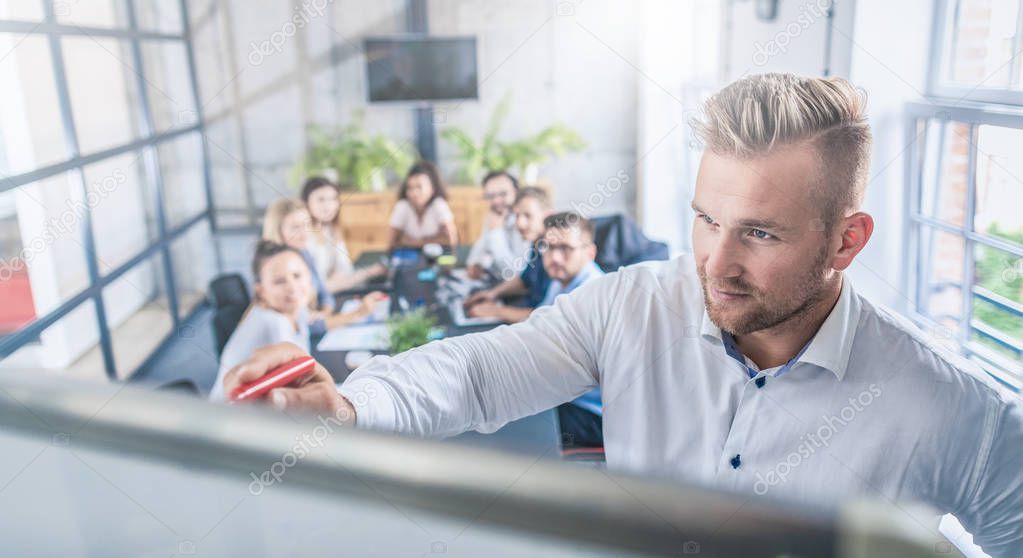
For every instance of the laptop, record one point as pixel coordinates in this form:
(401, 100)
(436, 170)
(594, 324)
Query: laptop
(460, 319)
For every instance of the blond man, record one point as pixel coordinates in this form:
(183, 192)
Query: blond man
(750, 365)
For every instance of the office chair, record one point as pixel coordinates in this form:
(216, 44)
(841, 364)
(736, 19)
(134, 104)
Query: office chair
(229, 297)
(620, 242)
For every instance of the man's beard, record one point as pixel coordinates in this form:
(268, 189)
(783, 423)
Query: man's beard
(767, 311)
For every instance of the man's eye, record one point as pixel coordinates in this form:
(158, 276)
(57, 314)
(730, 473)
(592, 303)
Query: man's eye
(706, 219)
(760, 235)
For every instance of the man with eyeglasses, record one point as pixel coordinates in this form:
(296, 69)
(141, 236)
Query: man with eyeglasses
(567, 251)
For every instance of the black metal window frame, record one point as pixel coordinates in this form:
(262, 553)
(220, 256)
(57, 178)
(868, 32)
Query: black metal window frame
(74, 167)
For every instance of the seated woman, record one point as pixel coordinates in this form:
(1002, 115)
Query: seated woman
(279, 310)
(422, 215)
(287, 222)
(327, 243)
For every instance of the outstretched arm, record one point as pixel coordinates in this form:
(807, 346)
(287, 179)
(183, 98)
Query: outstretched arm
(484, 380)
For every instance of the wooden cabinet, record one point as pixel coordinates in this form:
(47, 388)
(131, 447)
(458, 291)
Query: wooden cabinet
(365, 217)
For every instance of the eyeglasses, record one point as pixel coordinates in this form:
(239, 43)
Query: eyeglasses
(499, 195)
(563, 249)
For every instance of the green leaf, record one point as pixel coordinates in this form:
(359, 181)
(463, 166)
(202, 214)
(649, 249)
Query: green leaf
(410, 330)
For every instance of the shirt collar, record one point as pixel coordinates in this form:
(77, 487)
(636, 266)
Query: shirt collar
(584, 275)
(830, 347)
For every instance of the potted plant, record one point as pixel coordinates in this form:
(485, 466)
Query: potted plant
(353, 158)
(526, 155)
(479, 157)
(410, 330)
(523, 156)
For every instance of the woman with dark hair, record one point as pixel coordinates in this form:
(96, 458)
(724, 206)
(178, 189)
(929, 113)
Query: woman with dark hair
(422, 215)
(322, 199)
(279, 311)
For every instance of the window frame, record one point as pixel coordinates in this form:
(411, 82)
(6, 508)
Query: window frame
(75, 163)
(974, 115)
(942, 44)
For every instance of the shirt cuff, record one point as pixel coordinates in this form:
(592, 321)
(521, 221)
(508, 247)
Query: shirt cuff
(371, 399)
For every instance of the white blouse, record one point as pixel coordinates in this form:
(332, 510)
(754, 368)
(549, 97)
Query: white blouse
(437, 214)
(330, 254)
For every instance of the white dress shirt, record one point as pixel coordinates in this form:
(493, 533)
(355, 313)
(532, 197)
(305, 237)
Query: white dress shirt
(503, 250)
(869, 409)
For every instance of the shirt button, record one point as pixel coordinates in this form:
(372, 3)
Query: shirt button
(760, 381)
(735, 461)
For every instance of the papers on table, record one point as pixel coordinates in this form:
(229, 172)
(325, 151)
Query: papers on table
(368, 337)
(380, 313)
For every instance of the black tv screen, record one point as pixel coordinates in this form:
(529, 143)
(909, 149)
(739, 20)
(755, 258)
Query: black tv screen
(421, 68)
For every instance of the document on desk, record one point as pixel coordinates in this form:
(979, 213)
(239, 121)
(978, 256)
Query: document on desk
(380, 313)
(371, 337)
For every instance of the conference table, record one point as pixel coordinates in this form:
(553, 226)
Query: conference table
(537, 435)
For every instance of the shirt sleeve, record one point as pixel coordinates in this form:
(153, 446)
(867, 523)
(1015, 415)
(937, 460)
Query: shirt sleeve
(444, 214)
(994, 513)
(399, 215)
(484, 380)
(254, 331)
(479, 249)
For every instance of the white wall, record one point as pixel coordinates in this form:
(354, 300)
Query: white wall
(797, 40)
(891, 77)
(680, 56)
(569, 61)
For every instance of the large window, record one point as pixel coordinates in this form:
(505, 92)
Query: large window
(976, 46)
(965, 201)
(105, 223)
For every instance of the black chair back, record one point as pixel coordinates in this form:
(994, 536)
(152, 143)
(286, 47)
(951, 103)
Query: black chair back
(229, 297)
(620, 242)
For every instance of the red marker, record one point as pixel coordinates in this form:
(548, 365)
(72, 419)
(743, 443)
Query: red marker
(280, 376)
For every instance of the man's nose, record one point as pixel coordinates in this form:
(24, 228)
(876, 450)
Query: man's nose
(724, 259)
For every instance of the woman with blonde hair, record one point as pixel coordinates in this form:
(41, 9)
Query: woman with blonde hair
(287, 222)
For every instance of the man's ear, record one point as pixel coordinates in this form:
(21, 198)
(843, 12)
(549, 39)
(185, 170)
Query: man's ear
(853, 233)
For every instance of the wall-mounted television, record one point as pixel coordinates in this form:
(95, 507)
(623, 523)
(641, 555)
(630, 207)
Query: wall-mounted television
(419, 68)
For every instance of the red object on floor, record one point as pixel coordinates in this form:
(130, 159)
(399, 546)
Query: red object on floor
(17, 307)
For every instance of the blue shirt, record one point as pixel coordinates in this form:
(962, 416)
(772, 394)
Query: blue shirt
(323, 296)
(535, 278)
(591, 399)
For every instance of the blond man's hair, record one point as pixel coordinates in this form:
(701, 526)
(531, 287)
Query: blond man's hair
(753, 116)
